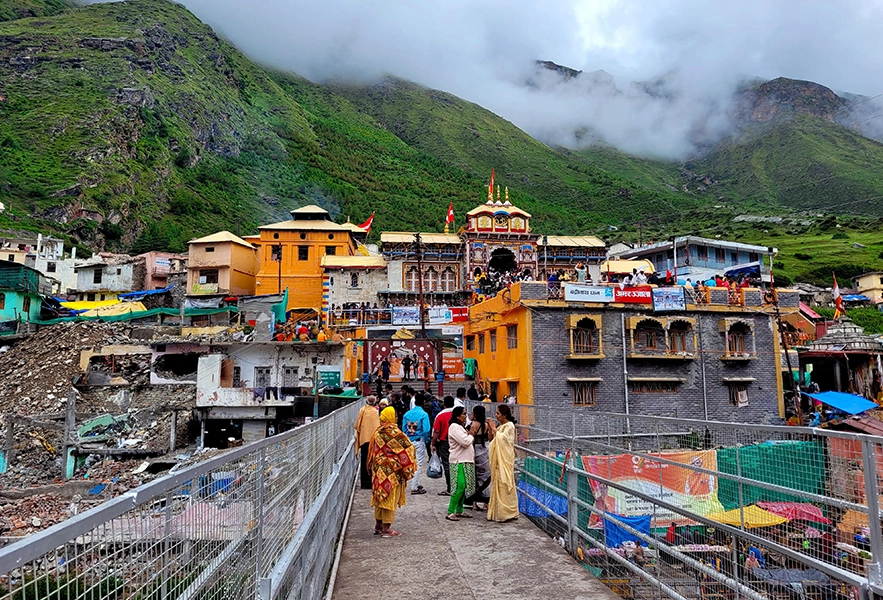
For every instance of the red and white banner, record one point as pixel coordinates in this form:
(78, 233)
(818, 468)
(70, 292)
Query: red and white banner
(634, 295)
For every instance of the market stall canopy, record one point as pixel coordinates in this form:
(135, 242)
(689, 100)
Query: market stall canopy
(795, 511)
(848, 403)
(115, 310)
(754, 517)
(621, 267)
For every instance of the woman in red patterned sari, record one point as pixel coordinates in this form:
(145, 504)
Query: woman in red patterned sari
(392, 462)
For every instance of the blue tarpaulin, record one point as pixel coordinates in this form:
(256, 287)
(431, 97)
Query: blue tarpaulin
(848, 403)
(528, 507)
(747, 269)
(855, 298)
(616, 535)
(135, 296)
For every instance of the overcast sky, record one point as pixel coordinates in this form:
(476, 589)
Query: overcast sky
(483, 51)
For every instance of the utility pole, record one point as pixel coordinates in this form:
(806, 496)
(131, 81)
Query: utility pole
(277, 256)
(418, 249)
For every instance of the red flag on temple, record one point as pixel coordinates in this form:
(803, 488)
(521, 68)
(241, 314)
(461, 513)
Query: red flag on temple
(490, 188)
(838, 300)
(450, 218)
(367, 224)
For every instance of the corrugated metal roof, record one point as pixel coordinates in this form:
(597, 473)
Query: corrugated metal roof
(352, 262)
(220, 237)
(401, 237)
(309, 209)
(583, 241)
(306, 225)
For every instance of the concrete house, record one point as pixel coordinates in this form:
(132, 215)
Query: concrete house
(103, 276)
(257, 384)
(642, 350)
(702, 258)
(21, 295)
(870, 285)
(221, 264)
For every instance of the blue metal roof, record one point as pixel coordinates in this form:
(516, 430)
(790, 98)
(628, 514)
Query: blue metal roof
(855, 298)
(848, 403)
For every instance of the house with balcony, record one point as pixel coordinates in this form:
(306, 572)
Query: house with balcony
(253, 386)
(105, 275)
(22, 290)
(158, 266)
(644, 350)
(699, 258)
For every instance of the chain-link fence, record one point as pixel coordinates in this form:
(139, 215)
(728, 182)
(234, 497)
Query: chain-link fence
(258, 521)
(666, 507)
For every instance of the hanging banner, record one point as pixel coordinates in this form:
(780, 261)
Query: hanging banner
(574, 292)
(405, 315)
(668, 298)
(633, 295)
(684, 487)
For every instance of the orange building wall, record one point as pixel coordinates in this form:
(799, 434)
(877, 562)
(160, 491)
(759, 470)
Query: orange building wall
(505, 364)
(303, 278)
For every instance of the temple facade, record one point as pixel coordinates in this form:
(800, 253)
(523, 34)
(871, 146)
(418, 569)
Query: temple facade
(497, 238)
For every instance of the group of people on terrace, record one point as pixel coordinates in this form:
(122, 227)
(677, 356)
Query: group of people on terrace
(403, 432)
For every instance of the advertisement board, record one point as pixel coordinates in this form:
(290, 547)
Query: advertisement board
(681, 486)
(669, 298)
(405, 315)
(329, 378)
(574, 292)
(633, 295)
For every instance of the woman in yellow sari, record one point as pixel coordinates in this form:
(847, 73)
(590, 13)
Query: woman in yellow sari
(392, 462)
(503, 505)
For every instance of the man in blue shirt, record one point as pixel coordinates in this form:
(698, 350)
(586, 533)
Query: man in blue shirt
(415, 424)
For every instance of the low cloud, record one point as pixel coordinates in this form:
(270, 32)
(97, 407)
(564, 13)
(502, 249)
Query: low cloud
(484, 51)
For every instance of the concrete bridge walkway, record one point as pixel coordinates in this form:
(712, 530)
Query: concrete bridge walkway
(435, 559)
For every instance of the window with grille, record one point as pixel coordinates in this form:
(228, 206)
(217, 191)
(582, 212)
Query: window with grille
(647, 338)
(481, 343)
(330, 250)
(412, 281)
(354, 280)
(511, 336)
(736, 338)
(50, 267)
(237, 376)
(262, 376)
(584, 393)
(513, 389)
(289, 377)
(584, 337)
(96, 276)
(430, 280)
(679, 335)
(448, 280)
(303, 253)
(470, 341)
(493, 340)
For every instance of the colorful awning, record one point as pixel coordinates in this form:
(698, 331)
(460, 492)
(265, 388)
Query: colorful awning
(754, 517)
(796, 511)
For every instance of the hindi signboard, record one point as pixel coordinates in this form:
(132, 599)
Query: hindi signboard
(633, 295)
(574, 292)
(669, 298)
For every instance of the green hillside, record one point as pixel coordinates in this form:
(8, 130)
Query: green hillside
(132, 126)
(799, 162)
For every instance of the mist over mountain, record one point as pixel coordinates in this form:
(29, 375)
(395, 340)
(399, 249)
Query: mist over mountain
(484, 51)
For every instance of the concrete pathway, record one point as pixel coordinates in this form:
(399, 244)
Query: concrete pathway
(435, 559)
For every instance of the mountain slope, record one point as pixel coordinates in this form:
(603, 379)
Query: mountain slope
(21, 9)
(799, 162)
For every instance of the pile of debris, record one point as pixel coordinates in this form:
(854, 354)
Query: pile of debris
(36, 373)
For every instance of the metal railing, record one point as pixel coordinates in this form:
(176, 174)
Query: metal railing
(256, 522)
(591, 476)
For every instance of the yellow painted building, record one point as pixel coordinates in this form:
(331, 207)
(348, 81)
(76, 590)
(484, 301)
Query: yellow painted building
(498, 336)
(870, 285)
(221, 263)
(290, 255)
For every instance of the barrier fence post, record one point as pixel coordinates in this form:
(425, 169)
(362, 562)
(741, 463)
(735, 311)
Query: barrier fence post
(875, 577)
(572, 506)
(259, 508)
